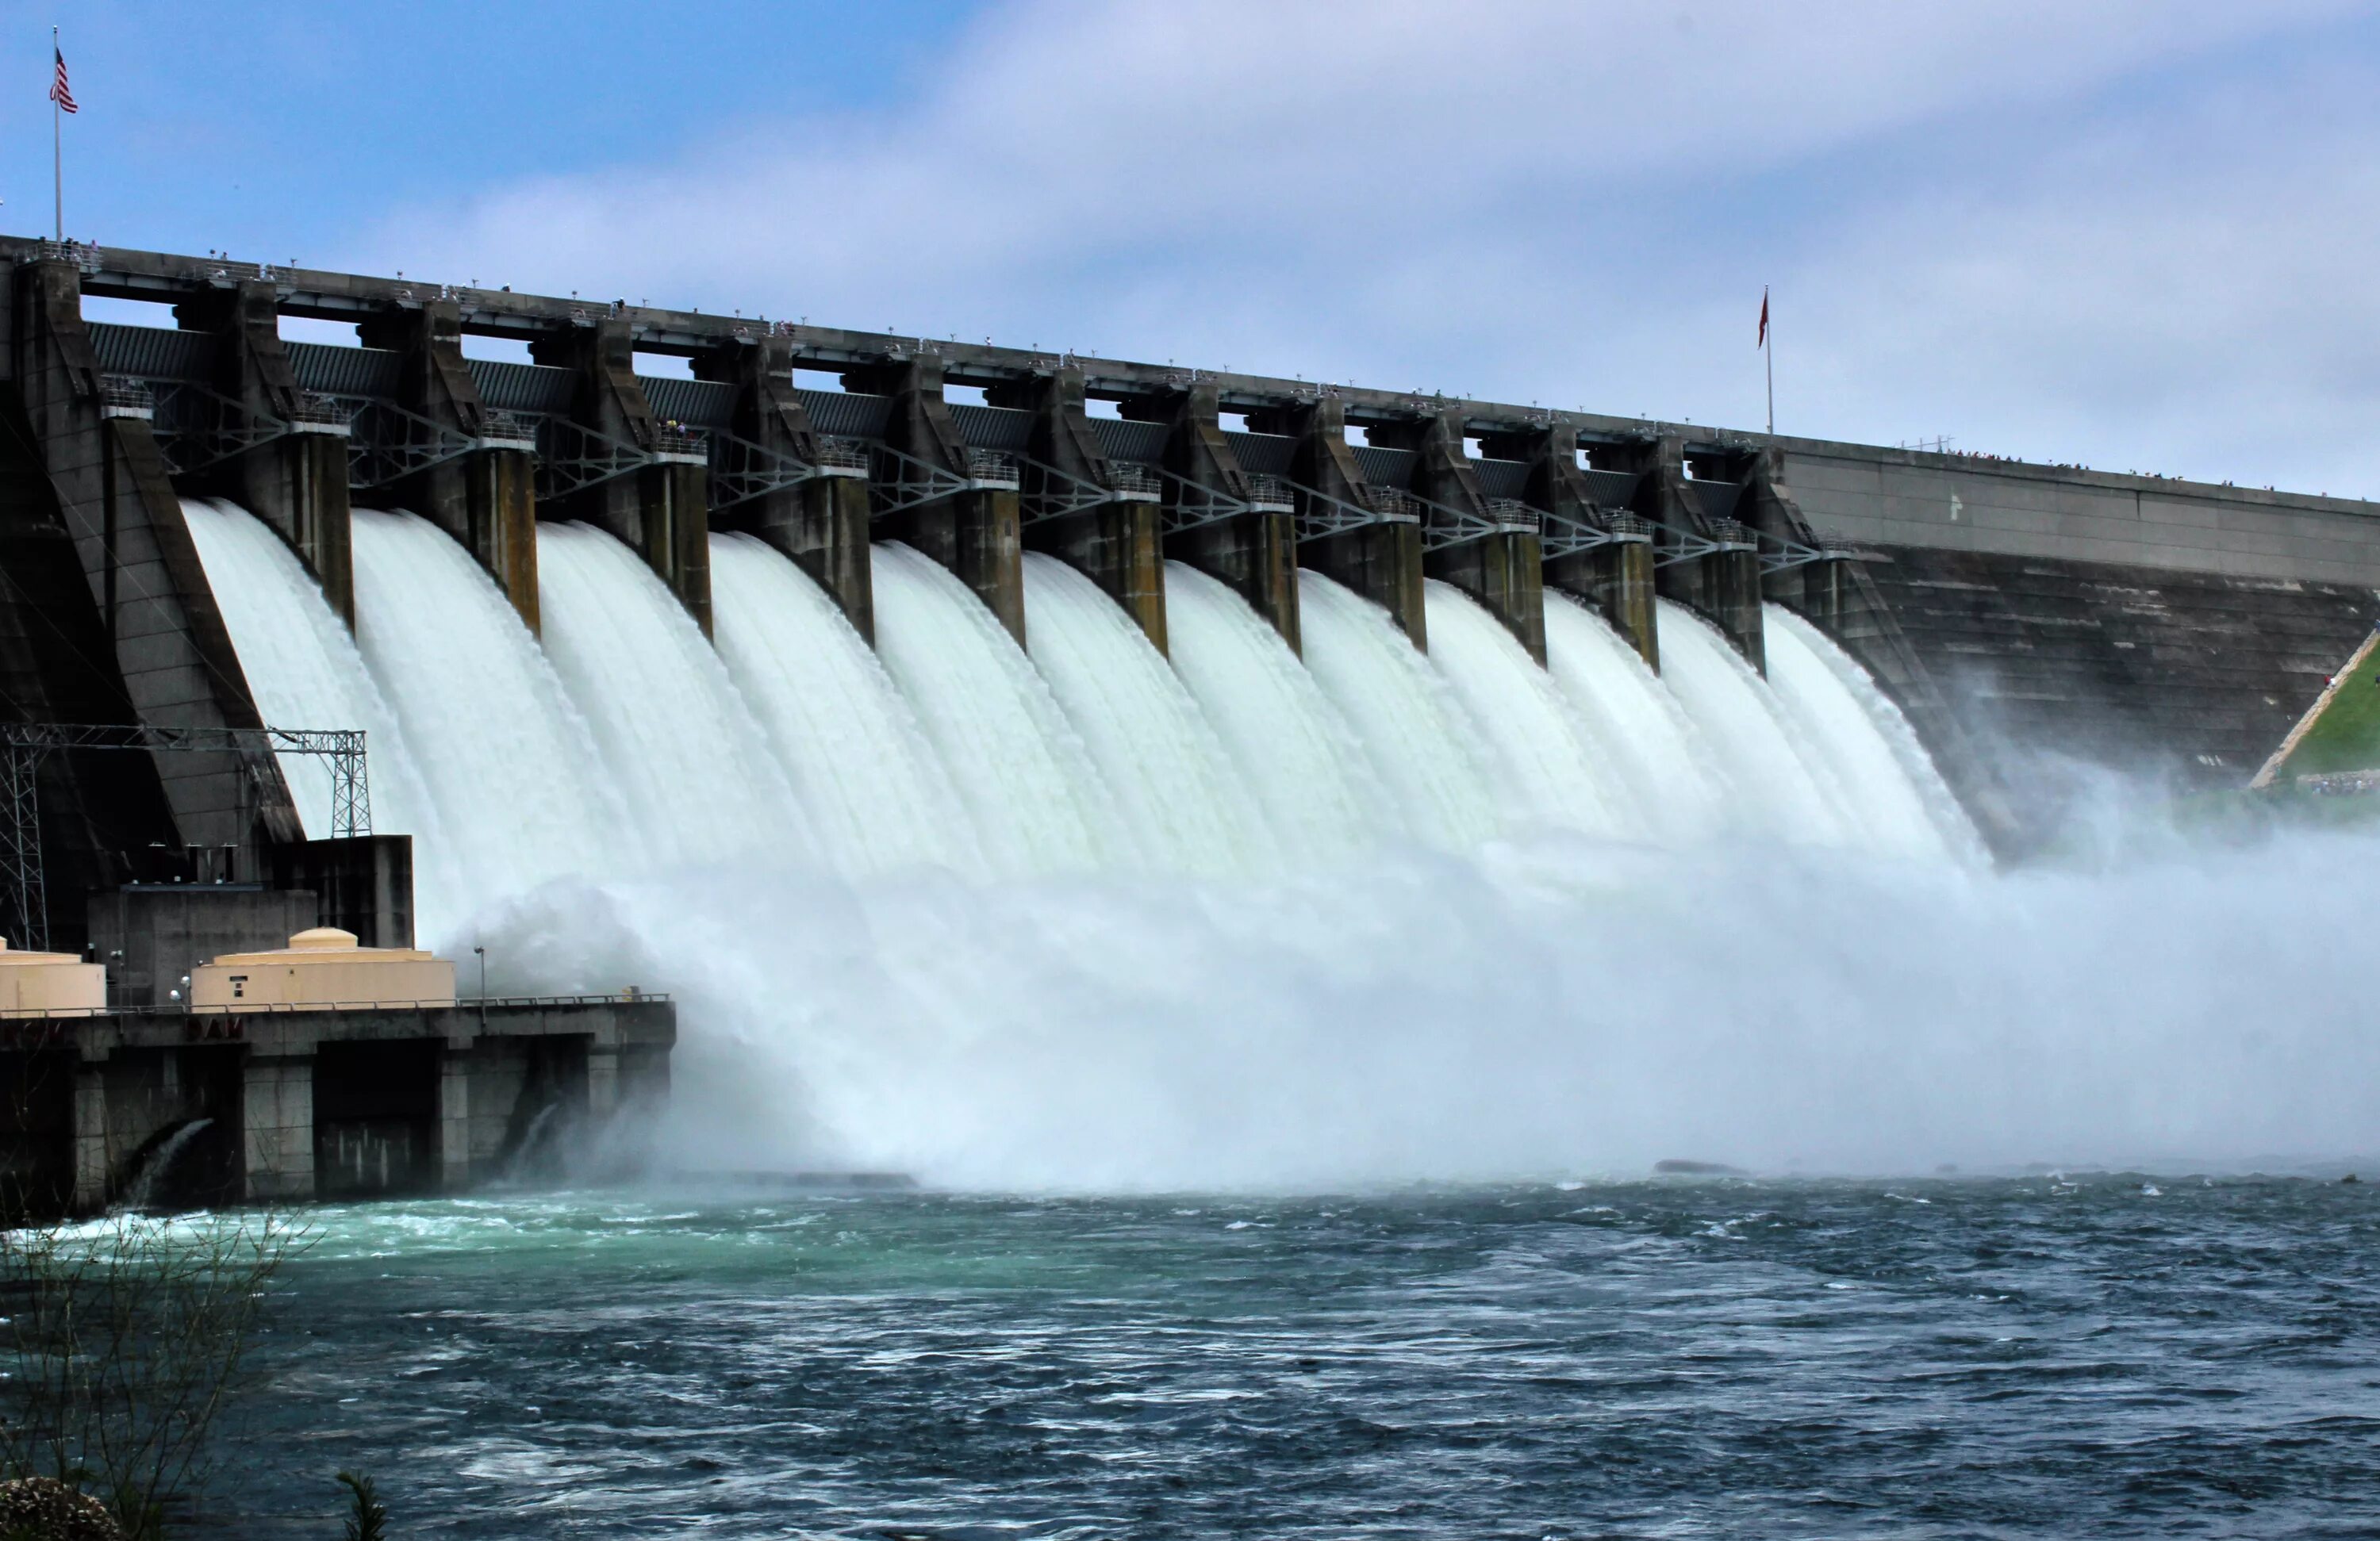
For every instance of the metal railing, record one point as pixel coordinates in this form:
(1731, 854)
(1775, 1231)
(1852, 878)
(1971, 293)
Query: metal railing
(124, 395)
(993, 468)
(178, 1011)
(1269, 494)
(841, 458)
(1133, 482)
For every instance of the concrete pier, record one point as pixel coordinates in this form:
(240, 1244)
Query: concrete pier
(1615, 574)
(976, 531)
(486, 497)
(1503, 571)
(1115, 543)
(1253, 553)
(1718, 575)
(91, 462)
(1380, 561)
(821, 523)
(295, 480)
(662, 506)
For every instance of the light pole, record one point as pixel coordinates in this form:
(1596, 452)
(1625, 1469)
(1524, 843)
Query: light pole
(483, 987)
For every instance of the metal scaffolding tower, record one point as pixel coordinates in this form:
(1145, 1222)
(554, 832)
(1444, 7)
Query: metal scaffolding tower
(24, 744)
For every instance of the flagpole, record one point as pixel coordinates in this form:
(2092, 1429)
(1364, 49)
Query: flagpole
(57, 142)
(1768, 352)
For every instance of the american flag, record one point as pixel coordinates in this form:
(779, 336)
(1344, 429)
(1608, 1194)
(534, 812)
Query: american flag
(59, 92)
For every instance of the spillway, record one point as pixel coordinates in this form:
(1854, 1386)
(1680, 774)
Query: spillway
(678, 741)
(1183, 798)
(879, 801)
(1037, 803)
(1400, 710)
(1543, 773)
(1634, 721)
(1771, 785)
(1906, 808)
(1320, 793)
(510, 765)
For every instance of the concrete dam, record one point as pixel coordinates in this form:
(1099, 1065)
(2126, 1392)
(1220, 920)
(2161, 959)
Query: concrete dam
(860, 605)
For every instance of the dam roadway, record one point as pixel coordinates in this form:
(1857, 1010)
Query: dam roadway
(2144, 622)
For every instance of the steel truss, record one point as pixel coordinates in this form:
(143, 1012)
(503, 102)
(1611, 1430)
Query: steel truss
(1567, 536)
(198, 426)
(1054, 493)
(23, 745)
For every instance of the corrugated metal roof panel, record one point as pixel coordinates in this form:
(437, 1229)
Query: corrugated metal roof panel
(846, 414)
(154, 352)
(345, 372)
(1123, 438)
(696, 402)
(1503, 479)
(510, 387)
(1385, 468)
(1612, 488)
(1718, 498)
(994, 428)
(1265, 453)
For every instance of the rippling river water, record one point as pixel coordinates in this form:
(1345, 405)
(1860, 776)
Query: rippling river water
(2102, 1356)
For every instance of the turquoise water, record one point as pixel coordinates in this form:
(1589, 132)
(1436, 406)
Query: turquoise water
(2104, 1355)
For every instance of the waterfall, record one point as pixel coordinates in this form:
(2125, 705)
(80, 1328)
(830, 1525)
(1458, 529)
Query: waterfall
(1184, 800)
(508, 761)
(1399, 710)
(1632, 719)
(1769, 776)
(305, 672)
(1037, 803)
(878, 798)
(141, 1191)
(1321, 796)
(1907, 809)
(1544, 775)
(677, 739)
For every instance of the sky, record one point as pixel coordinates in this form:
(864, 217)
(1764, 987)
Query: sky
(2131, 235)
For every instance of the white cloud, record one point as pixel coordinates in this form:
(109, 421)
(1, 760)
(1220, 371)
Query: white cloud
(1556, 202)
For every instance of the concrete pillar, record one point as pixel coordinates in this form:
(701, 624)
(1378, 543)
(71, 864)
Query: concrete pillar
(1117, 545)
(821, 524)
(602, 1080)
(487, 497)
(298, 481)
(976, 534)
(277, 1128)
(661, 510)
(94, 1163)
(1721, 587)
(1616, 578)
(1503, 571)
(119, 507)
(454, 1116)
(1381, 561)
(1254, 554)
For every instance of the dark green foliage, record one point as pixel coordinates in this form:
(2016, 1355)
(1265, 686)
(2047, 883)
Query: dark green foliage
(369, 1521)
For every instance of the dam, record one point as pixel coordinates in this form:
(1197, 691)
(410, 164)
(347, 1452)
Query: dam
(515, 591)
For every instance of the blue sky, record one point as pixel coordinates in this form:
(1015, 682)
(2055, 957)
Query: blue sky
(2134, 235)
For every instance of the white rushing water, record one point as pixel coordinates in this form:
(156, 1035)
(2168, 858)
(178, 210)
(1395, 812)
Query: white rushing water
(879, 799)
(1774, 789)
(1635, 722)
(1183, 798)
(1038, 804)
(1320, 794)
(1408, 943)
(677, 739)
(1400, 712)
(1542, 771)
(509, 763)
(1900, 780)
(305, 672)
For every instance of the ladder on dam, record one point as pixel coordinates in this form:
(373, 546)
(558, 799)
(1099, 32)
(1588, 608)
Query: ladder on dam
(23, 747)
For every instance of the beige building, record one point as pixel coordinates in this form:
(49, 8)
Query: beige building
(43, 984)
(319, 969)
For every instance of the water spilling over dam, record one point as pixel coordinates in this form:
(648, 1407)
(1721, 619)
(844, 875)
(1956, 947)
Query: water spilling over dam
(1141, 775)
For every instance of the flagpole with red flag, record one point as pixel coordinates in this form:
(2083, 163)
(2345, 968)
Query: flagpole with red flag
(1768, 353)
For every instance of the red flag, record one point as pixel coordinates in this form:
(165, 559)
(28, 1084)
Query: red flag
(58, 92)
(1764, 317)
